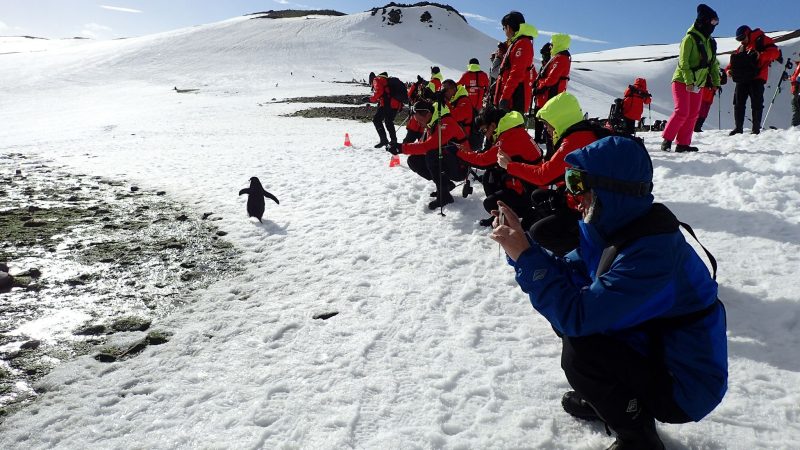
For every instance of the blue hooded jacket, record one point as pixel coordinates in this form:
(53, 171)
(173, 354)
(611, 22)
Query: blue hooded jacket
(655, 276)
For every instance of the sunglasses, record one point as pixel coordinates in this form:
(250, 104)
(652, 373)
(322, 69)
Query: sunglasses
(575, 181)
(579, 182)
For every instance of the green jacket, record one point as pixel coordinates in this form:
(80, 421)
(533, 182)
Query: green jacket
(688, 70)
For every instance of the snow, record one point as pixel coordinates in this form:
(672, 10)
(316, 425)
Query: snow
(434, 345)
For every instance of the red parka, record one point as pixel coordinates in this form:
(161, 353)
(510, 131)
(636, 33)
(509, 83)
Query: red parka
(636, 96)
(477, 83)
(451, 131)
(552, 171)
(795, 79)
(461, 109)
(517, 70)
(553, 79)
(514, 142)
(380, 93)
(767, 52)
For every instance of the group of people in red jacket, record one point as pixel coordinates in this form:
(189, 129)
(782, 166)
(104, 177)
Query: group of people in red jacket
(458, 126)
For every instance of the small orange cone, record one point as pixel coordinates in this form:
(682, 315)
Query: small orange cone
(347, 140)
(395, 161)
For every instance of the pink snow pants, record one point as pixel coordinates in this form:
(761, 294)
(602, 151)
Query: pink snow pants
(681, 123)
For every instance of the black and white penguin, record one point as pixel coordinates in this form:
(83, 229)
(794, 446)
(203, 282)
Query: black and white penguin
(255, 198)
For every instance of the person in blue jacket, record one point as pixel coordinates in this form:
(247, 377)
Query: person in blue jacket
(643, 331)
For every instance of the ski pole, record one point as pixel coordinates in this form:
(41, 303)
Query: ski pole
(784, 76)
(441, 160)
(719, 108)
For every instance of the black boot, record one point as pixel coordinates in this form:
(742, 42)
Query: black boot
(644, 437)
(684, 148)
(449, 185)
(382, 143)
(577, 407)
(698, 126)
(445, 200)
(666, 145)
(736, 131)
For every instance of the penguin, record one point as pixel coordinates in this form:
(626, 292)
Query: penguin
(255, 198)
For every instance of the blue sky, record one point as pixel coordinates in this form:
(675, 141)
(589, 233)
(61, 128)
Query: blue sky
(594, 24)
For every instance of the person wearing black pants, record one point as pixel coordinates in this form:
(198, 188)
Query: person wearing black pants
(754, 90)
(385, 115)
(616, 384)
(443, 135)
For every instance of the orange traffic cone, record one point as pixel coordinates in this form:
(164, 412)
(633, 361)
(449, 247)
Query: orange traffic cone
(347, 140)
(395, 161)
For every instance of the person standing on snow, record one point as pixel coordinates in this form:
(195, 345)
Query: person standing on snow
(435, 85)
(513, 87)
(553, 77)
(697, 59)
(538, 126)
(476, 82)
(642, 329)
(388, 107)
(636, 96)
(795, 80)
(749, 69)
(443, 135)
(707, 94)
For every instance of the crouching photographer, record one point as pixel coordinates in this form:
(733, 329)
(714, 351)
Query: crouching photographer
(507, 133)
(442, 135)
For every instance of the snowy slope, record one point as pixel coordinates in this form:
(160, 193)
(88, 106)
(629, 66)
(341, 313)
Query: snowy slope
(434, 345)
(613, 70)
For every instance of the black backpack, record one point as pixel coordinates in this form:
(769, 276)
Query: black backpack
(616, 117)
(744, 66)
(398, 90)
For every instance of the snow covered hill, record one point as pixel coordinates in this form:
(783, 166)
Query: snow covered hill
(434, 345)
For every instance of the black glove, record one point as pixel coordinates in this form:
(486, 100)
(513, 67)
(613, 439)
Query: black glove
(420, 79)
(504, 105)
(394, 148)
(365, 100)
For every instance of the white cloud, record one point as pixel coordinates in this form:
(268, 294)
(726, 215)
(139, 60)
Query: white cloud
(282, 2)
(121, 9)
(477, 17)
(574, 37)
(95, 31)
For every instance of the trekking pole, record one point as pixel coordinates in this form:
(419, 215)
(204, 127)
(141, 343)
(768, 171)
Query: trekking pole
(784, 76)
(441, 160)
(719, 108)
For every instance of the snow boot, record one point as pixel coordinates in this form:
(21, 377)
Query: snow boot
(684, 148)
(382, 143)
(755, 131)
(698, 126)
(642, 438)
(736, 131)
(446, 200)
(666, 145)
(449, 186)
(577, 407)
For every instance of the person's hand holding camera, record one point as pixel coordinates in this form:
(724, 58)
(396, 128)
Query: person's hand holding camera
(508, 231)
(502, 159)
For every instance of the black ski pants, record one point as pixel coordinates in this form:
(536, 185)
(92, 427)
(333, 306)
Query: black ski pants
(427, 165)
(796, 109)
(385, 115)
(626, 388)
(755, 91)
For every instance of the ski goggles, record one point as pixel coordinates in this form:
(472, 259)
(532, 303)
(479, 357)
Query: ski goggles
(579, 182)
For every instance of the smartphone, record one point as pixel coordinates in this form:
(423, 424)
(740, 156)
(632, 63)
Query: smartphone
(502, 220)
